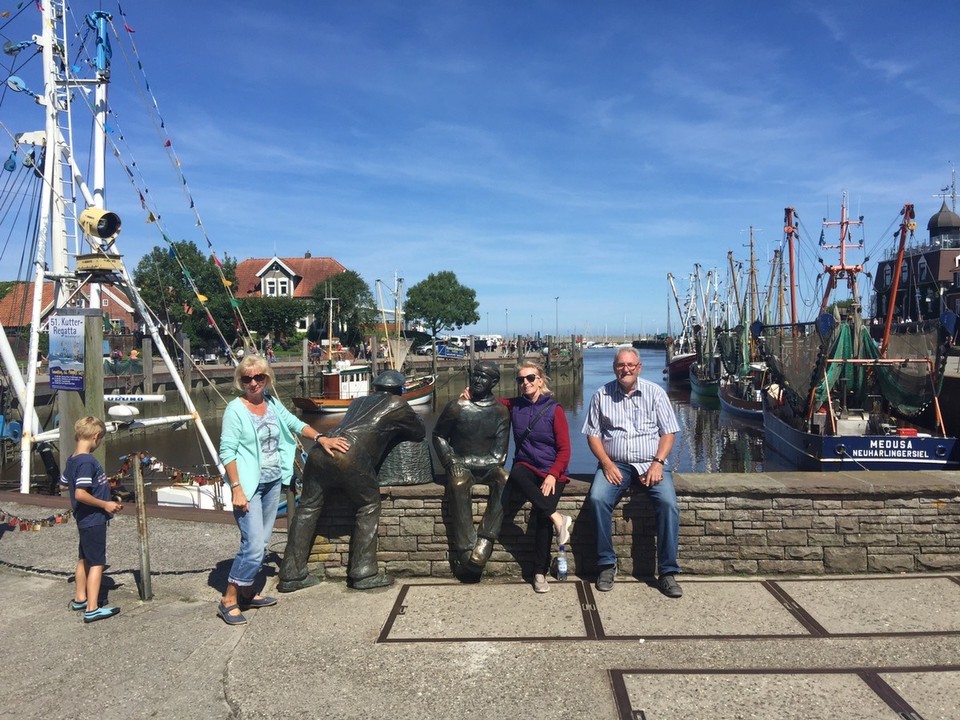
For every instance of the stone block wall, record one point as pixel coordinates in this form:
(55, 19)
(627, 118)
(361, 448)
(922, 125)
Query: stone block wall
(744, 524)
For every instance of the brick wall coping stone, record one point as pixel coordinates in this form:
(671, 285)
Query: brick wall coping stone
(882, 483)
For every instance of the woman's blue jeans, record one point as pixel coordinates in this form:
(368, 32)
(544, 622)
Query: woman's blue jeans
(256, 527)
(604, 496)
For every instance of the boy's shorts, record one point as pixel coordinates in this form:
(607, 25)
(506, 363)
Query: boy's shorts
(93, 545)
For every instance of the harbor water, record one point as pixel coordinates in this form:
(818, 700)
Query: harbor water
(709, 441)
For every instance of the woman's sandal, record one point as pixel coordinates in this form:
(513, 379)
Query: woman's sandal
(224, 612)
(257, 602)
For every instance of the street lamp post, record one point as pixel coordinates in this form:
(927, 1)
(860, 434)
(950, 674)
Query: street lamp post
(506, 322)
(556, 305)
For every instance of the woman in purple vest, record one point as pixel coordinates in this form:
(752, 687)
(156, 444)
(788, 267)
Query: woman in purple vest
(540, 459)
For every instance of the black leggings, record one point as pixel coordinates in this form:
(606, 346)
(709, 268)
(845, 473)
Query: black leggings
(527, 483)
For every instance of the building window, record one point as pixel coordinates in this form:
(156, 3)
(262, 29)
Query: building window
(270, 287)
(887, 276)
(283, 287)
(105, 302)
(903, 272)
(921, 269)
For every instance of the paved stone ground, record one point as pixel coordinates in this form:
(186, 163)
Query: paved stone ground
(783, 648)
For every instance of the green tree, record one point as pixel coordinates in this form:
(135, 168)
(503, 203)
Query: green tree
(166, 291)
(274, 316)
(354, 309)
(441, 302)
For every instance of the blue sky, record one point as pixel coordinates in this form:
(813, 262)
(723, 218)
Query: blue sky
(539, 150)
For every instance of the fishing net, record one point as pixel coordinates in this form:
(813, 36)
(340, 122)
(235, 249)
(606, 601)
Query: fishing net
(797, 355)
(908, 387)
(793, 355)
(730, 346)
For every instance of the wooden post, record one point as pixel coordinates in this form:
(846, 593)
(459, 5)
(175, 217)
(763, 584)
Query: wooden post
(374, 352)
(146, 586)
(89, 401)
(147, 357)
(187, 364)
(304, 358)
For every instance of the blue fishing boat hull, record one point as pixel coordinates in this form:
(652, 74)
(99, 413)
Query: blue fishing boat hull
(825, 453)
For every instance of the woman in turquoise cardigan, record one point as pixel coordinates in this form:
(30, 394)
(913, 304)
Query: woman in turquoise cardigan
(257, 448)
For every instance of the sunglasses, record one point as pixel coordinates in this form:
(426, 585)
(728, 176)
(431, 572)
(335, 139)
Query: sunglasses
(526, 378)
(247, 379)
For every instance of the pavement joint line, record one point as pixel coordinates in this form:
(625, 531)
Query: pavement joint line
(593, 626)
(795, 609)
(871, 677)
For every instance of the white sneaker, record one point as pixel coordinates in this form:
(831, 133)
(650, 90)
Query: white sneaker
(540, 583)
(563, 534)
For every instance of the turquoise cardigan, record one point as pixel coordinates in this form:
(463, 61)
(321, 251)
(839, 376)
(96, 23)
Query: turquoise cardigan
(238, 441)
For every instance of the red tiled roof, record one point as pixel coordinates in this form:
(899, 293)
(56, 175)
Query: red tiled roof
(15, 306)
(309, 271)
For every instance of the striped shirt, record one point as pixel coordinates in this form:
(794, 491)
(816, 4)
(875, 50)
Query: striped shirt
(630, 426)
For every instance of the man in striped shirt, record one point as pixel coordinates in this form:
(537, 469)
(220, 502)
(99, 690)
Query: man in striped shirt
(630, 427)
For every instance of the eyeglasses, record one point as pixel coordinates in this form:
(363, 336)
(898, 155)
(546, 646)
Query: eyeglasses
(627, 366)
(247, 379)
(526, 378)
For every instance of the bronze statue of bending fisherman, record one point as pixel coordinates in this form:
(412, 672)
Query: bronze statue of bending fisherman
(372, 426)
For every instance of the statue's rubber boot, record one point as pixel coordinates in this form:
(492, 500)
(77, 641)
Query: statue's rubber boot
(286, 586)
(481, 553)
(381, 579)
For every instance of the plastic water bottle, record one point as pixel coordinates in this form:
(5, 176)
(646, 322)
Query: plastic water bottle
(561, 563)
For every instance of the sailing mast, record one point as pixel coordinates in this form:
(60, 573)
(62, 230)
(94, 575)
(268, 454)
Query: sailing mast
(906, 226)
(61, 176)
(843, 271)
(790, 230)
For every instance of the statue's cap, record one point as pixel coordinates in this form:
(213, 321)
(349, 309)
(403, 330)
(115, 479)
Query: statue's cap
(489, 368)
(391, 380)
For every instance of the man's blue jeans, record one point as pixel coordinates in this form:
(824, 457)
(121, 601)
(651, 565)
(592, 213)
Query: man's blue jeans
(256, 527)
(604, 496)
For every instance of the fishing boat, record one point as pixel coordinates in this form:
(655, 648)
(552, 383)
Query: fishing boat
(341, 385)
(343, 381)
(680, 348)
(845, 401)
(705, 370)
(746, 378)
(741, 394)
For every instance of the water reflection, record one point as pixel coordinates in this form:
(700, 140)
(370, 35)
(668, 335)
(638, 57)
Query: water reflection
(709, 440)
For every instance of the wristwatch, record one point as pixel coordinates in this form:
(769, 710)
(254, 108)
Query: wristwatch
(662, 461)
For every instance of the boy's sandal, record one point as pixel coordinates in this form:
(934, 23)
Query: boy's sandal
(224, 612)
(101, 613)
